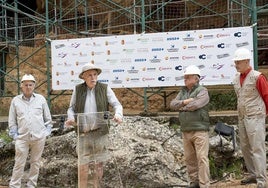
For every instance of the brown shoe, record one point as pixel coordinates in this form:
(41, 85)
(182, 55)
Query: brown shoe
(248, 181)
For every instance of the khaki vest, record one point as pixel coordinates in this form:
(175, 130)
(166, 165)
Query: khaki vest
(100, 94)
(249, 101)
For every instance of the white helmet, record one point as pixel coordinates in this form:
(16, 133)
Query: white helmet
(192, 69)
(242, 54)
(28, 77)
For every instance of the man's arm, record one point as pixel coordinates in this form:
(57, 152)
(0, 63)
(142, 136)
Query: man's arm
(12, 122)
(201, 100)
(262, 87)
(114, 102)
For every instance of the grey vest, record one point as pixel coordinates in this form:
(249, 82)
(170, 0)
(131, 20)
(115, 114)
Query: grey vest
(249, 101)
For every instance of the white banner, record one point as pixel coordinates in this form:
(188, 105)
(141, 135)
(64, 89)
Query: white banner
(150, 60)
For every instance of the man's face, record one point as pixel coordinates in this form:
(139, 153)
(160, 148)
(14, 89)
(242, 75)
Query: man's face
(242, 65)
(190, 80)
(27, 88)
(90, 78)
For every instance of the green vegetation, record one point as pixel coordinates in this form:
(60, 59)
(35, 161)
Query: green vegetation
(221, 168)
(222, 100)
(5, 137)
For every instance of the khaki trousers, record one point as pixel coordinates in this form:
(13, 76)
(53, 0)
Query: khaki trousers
(252, 141)
(196, 147)
(22, 148)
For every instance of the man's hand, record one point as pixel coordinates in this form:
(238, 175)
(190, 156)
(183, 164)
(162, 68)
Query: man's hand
(187, 101)
(118, 118)
(70, 122)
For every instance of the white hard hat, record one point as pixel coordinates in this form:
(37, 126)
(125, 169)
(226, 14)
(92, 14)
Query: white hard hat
(89, 66)
(28, 77)
(192, 69)
(242, 54)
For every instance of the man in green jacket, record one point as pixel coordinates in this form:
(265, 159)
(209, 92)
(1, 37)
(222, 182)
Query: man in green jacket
(191, 102)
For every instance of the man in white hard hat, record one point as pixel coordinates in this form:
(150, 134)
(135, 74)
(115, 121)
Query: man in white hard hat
(29, 123)
(251, 88)
(91, 97)
(192, 104)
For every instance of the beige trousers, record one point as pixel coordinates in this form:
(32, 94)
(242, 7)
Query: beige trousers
(196, 147)
(22, 148)
(252, 141)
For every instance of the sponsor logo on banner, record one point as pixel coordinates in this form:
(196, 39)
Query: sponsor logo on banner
(157, 49)
(173, 58)
(77, 81)
(139, 50)
(223, 35)
(205, 56)
(223, 45)
(188, 57)
(179, 68)
(59, 46)
(165, 68)
(148, 79)
(81, 54)
(61, 73)
(111, 42)
(207, 46)
(96, 44)
(140, 60)
(220, 56)
(125, 60)
(75, 45)
(149, 69)
(191, 47)
(103, 81)
(188, 38)
(178, 78)
(62, 55)
(132, 79)
(240, 34)
(242, 44)
(173, 38)
(143, 40)
(117, 80)
(155, 60)
(210, 36)
(157, 39)
(132, 70)
(118, 70)
(97, 53)
(173, 49)
(129, 51)
(112, 61)
(163, 78)
(217, 66)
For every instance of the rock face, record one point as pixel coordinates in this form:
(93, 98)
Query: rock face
(144, 152)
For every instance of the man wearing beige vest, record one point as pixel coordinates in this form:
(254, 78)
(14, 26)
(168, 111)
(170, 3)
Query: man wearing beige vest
(89, 98)
(251, 88)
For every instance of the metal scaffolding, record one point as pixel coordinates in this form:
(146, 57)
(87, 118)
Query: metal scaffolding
(32, 29)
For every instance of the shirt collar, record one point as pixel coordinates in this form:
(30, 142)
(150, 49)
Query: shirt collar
(24, 98)
(246, 72)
